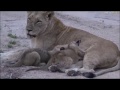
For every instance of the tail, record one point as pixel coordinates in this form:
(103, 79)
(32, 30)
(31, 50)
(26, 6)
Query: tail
(115, 68)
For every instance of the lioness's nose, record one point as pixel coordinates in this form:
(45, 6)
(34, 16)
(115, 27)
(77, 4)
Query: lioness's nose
(29, 30)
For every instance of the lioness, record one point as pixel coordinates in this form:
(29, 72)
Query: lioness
(63, 61)
(46, 32)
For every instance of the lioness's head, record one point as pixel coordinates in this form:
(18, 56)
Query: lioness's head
(37, 22)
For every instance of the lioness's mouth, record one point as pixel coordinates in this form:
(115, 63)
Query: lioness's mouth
(31, 36)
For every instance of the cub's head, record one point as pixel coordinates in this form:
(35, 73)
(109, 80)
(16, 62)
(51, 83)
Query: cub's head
(63, 59)
(37, 22)
(60, 61)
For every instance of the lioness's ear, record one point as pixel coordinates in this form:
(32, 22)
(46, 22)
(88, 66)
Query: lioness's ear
(49, 14)
(29, 12)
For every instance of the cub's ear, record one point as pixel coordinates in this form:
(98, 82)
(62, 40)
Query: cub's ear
(49, 14)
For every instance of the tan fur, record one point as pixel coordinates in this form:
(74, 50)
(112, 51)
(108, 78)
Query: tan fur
(46, 32)
(77, 50)
(66, 59)
(70, 61)
(31, 57)
(28, 57)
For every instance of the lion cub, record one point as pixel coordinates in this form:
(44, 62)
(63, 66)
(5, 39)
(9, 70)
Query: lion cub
(68, 57)
(37, 57)
(29, 57)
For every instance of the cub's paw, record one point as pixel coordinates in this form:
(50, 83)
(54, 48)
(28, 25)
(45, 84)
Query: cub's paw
(73, 73)
(88, 74)
(53, 68)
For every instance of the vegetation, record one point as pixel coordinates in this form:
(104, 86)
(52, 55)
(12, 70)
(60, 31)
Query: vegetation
(12, 42)
(10, 46)
(12, 36)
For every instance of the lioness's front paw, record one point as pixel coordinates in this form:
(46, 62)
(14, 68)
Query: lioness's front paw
(73, 73)
(53, 68)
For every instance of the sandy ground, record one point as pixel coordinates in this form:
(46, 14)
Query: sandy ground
(103, 24)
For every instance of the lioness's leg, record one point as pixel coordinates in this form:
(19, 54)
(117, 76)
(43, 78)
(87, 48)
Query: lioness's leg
(74, 70)
(90, 61)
